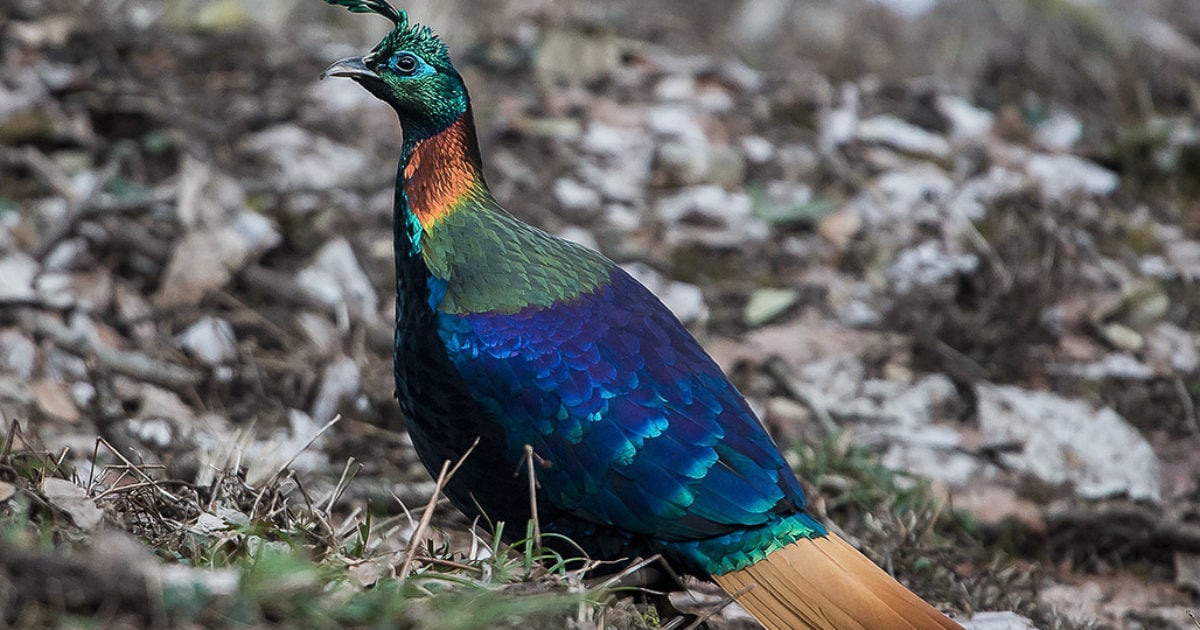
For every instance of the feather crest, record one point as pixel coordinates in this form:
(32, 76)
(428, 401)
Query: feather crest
(399, 18)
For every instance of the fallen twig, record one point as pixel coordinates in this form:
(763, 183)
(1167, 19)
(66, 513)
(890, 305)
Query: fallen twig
(282, 287)
(414, 543)
(126, 362)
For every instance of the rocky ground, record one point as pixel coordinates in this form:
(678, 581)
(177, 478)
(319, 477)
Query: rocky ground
(950, 253)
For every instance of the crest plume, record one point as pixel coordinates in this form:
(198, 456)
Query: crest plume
(399, 18)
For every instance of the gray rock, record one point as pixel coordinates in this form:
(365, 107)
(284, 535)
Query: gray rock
(1067, 441)
(21, 91)
(336, 278)
(717, 217)
(1007, 620)
(17, 272)
(1059, 132)
(1115, 365)
(622, 217)
(967, 122)
(257, 232)
(905, 198)
(17, 353)
(579, 235)
(1174, 348)
(686, 301)
(926, 265)
(211, 340)
(675, 88)
(838, 125)
(54, 289)
(341, 381)
(903, 136)
(65, 255)
(898, 414)
(707, 203)
(1062, 177)
(304, 160)
(757, 149)
(972, 199)
(575, 197)
(1184, 256)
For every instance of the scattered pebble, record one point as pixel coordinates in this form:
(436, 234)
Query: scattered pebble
(903, 136)
(1062, 177)
(926, 265)
(335, 277)
(211, 340)
(1067, 441)
(686, 301)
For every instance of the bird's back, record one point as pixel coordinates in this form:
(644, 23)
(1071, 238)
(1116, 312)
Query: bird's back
(634, 427)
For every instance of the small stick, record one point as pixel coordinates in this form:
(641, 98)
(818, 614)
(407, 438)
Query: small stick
(133, 364)
(414, 543)
(533, 508)
(137, 470)
(279, 472)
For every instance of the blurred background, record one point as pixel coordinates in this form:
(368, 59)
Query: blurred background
(948, 250)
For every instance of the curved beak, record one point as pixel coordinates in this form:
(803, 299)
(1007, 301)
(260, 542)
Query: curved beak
(350, 67)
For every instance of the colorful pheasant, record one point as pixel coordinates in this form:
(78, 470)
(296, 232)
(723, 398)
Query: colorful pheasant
(514, 339)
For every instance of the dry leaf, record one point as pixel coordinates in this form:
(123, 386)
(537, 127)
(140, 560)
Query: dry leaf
(53, 399)
(73, 500)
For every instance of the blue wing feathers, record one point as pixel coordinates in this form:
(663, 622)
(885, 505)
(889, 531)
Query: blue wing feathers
(640, 429)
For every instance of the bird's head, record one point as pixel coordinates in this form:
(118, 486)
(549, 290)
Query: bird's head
(409, 69)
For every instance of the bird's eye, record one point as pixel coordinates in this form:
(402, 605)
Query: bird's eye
(406, 63)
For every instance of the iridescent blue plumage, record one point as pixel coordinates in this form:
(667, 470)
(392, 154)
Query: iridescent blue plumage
(636, 427)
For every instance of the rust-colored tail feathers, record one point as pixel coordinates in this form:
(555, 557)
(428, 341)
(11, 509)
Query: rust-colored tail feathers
(824, 583)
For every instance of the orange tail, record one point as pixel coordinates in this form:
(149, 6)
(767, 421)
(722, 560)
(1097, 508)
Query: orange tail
(824, 583)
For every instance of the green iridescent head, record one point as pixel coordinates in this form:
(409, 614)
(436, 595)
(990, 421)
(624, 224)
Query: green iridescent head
(409, 69)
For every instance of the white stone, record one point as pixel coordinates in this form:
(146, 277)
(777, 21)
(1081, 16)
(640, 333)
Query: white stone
(341, 381)
(839, 124)
(17, 353)
(686, 301)
(967, 122)
(1006, 620)
(1114, 365)
(757, 149)
(1067, 441)
(65, 255)
(17, 272)
(1062, 177)
(708, 201)
(927, 264)
(579, 235)
(302, 159)
(902, 135)
(211, 340)
(335, 277)
(1059, 132)
(573, 195)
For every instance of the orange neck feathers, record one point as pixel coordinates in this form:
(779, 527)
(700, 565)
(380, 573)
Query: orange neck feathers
(442, 170)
